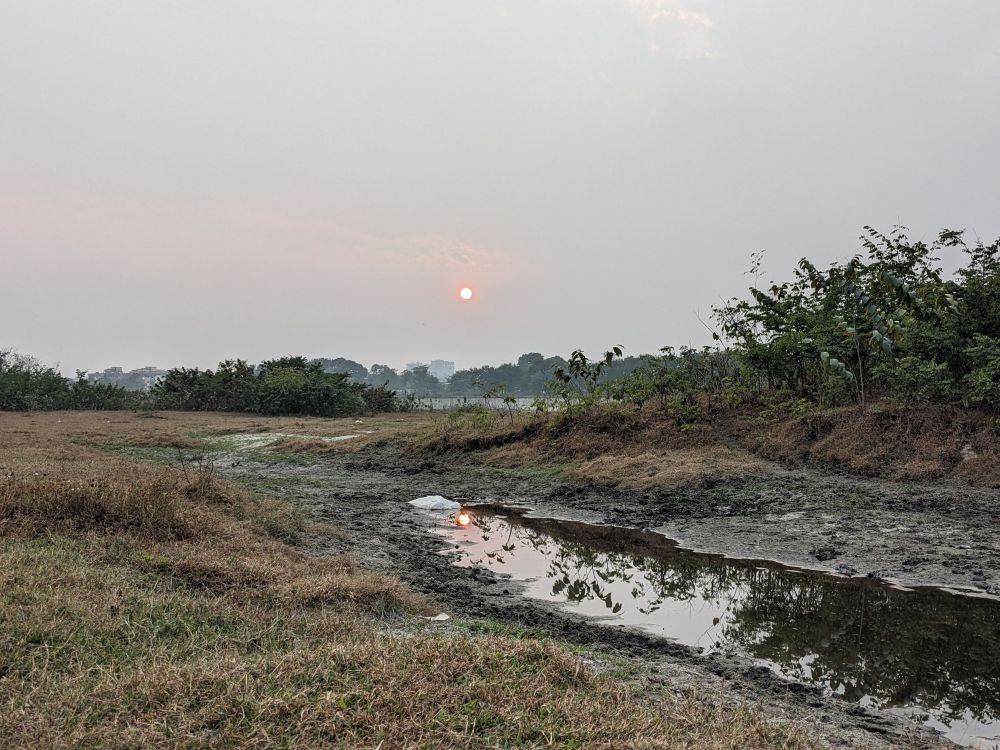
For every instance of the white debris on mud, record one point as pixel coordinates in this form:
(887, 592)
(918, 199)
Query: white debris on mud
(435, 502)
(253, 440)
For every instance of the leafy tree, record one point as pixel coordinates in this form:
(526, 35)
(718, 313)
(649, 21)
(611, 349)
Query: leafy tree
(286, 385)
(857, 321)
(579, 383)
(26, 384)
(420, 382)
(383, 375)
(982, 382)
(357, 371)
(912, 379)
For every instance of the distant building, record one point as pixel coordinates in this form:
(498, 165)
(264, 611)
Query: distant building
(441, 369)
(141, 379)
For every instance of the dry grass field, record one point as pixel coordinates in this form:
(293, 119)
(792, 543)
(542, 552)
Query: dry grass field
(151, 605)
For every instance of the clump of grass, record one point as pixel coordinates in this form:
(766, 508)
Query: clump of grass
(239, 429)
(147, 506)
(235, 563)
(372, 592)
(468, 431)
(674, 468)
(188, 524)
(306, 445)
(180, 442)
(278, 518)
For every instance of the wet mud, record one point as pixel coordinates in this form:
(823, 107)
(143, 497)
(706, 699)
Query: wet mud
(939, 536)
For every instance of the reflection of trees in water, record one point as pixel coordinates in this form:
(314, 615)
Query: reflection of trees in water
(861, 638)
(581, 573)
(926, 648)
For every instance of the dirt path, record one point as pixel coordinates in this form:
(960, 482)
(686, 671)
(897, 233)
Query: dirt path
(784, 515)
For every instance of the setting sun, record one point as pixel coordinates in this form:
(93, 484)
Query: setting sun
(466, 293)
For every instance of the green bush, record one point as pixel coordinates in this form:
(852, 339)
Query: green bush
(886, 321)
(27, 385)
(290, 385)
(911, 379)
(981, 386)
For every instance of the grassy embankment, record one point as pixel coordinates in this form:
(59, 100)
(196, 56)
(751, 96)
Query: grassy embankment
(621, 446)
(145, 606)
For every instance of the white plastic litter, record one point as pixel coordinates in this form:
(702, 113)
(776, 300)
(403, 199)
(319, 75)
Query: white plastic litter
(438, 618)
(435, 502)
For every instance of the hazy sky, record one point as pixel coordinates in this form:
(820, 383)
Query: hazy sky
(187, 181)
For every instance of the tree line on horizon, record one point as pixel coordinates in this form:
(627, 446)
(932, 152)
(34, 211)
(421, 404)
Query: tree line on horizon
(529, 377)
(888, 323)
(287, 385)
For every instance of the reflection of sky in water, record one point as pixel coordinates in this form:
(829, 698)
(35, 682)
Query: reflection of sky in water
(872, 644)
(597, 586)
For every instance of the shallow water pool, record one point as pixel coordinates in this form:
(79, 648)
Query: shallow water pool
(924, 652)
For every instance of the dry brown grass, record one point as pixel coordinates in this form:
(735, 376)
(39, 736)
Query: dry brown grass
(628, 466)
(119, 665)
(474, 429)
(311, 446)
(620, 448)
(66, 431)
(638, 449)
(914, 443)
(167, 441)
(147, 506)
(673, 468)
(981, 470)
(190, 524)
(144, 607)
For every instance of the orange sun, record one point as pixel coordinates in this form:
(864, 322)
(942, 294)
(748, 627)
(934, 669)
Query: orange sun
(465, 293)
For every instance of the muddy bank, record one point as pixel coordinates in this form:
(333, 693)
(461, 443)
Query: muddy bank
(366, 493)
(942, 534)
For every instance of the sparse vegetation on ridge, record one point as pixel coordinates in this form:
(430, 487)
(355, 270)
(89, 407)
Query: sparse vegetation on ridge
(885, 331)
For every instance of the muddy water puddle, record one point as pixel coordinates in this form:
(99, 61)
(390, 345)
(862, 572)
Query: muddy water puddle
(926, 653)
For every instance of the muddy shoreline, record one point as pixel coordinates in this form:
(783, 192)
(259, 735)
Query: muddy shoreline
(793, 516)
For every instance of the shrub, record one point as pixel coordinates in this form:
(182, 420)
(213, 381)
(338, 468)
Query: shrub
(289, 385)
(26, 385)
(982, 384)
(886, 320)
(911, 379)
